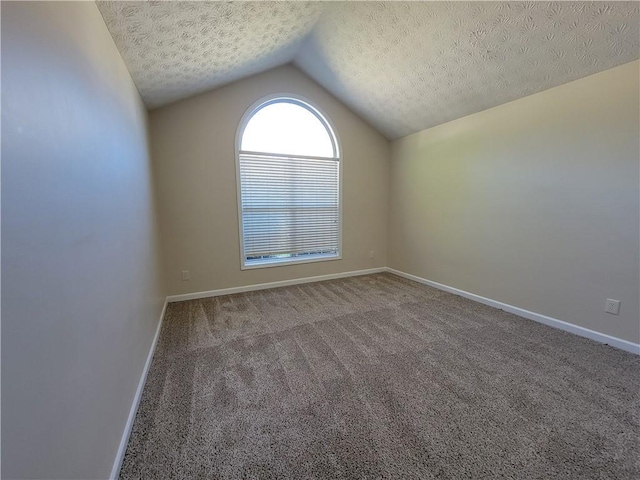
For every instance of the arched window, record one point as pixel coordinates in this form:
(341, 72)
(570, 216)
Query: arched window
(288, 168)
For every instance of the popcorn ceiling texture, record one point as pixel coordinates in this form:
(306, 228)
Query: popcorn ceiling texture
(405, 67)
(177, 49)
(402, 66)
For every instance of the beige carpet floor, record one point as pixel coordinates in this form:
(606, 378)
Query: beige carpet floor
(379, 377)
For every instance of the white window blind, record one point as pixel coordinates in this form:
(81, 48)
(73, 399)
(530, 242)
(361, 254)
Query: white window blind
(289, 203)
(289, 206)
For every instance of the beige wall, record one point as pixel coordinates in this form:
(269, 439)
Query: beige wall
(80, 292)
(193, 149)
(533, 203)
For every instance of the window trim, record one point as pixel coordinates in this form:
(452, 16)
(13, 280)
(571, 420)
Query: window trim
(337, 147)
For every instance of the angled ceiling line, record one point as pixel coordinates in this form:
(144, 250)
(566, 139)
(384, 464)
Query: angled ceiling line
(402, 66)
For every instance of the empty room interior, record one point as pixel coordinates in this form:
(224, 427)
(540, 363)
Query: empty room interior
(320, 240)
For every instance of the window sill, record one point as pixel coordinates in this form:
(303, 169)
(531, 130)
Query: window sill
(283, 262)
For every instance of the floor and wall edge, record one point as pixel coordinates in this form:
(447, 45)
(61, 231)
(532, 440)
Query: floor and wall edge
(536, 317)
(550, 321)
(124, 441)
(264, 286)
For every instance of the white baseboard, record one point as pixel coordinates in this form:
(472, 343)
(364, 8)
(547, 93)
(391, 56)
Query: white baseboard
(124, 441)
(264, 286)
(553, 322)
(536, 317)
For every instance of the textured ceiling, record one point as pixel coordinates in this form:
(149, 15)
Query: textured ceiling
(177, 49)
(402, 66)
(408, 66)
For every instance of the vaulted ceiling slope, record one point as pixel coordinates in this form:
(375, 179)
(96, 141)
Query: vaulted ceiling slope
(402, 66)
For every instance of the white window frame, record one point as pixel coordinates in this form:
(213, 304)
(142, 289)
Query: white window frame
(324, 119)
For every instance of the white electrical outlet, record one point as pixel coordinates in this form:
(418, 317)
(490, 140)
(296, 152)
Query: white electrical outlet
(372, 254)
(185, 275)
(612, 306)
